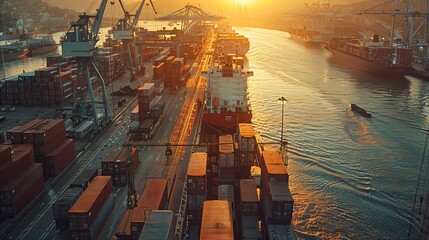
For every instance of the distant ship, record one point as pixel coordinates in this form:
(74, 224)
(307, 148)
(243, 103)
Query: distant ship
(372, 56)
(41, 44)
(230, 42)
(226, 95)
(305, 35)
(13, 51)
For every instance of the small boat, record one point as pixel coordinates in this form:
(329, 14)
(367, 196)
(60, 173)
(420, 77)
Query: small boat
(361, 111)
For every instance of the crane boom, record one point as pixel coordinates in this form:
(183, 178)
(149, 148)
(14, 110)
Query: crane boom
(137, 16)
(98, 19)
(122, 6)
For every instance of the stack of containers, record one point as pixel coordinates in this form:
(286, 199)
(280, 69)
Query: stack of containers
(146, 100)
(16, 135)
(12, 91)
(277, 201)
(116, 166)
(135, 114)
(108, 162)
(59, 158)
(154, 197)
(158, 226)
(226, 160)
(2, 93)
(280, 204)
(405, 56)
(159, 86)
(173, 71)
(62, 205)
(44, 76)
(89, 213)
(20, 179)
(157, 110)
(217, 220)
(60, 90)
(273, 169)
(44, 87)
(226, 192)
(197, 186)
(249, 209)
(28, 79)
(49, 141)
(47, 136)
(158, 71)
(212, 164)
(247, 149)
(84, 179)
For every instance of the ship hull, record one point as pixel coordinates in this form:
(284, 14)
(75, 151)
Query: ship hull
(227, 120)
(8, 57)
(307, 41)
(42, 50)
(368, 66)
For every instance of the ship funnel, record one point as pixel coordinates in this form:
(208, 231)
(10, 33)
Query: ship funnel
(376, 38)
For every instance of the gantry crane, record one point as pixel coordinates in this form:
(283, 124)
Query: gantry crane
(124, 30)
(409, 31)
(80, 42)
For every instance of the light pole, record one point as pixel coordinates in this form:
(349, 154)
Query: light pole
(283, 142)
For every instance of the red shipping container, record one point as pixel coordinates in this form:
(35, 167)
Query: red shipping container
(58, 159)
(49, 132)
(108, 162)
(120, 164)
(85, 210)
(63, 77)
(15, 134)
(22, 157)
(21, 183)
(28, 136)
(5, 155)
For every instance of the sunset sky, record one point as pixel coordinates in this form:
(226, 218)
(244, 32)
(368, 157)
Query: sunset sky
(225, 7)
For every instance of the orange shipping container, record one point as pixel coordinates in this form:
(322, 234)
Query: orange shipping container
(154, 197)
(196, 176)
(85, 210)
(216, 221)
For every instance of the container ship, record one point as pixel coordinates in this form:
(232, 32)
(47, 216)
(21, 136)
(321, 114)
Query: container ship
(306, 36)
(236, 189)
(41, 45)
(230, 42)
(372, 56)
(227, 103)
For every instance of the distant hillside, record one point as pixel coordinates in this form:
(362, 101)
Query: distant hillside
(36, 14)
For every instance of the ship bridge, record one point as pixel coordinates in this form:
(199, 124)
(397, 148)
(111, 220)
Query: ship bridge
(191, 16)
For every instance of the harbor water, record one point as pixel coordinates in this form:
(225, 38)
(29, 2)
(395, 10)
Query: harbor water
(351, 177)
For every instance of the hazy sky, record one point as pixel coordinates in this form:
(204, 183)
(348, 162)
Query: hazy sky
(223, 7)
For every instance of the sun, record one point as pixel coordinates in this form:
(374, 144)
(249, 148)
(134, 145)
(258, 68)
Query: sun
(243, 2)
